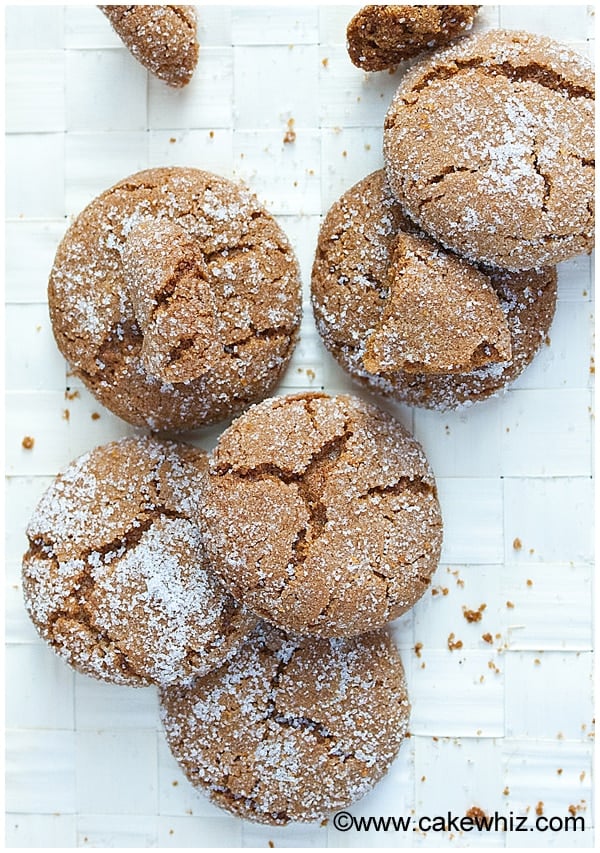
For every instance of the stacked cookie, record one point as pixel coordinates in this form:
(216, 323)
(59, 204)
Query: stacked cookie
(149, 564)
(434, 281)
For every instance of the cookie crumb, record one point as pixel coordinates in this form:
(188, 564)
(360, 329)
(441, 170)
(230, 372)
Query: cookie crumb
(66, 415)
(290, 134)
(71, 395)
(95, 416)
(474, 615)
(175, 783)
(517, 544)
(506, 791)
(310, 373)
(325, 62)
(487, 638)
(211, 134)
(510, 605)
(529, 582)
(28, 442)
(418, 647)
(475, 812)
(539, 809)
(172, 140)
(582, 776)
(271, 843)
(453, 643)
(559, 771)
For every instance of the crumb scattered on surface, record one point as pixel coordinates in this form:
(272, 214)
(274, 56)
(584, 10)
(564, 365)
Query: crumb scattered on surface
(290, 134)
(506, 791)
(474, 615)
(510, 605)
(517, 544)
(71, 395)
(559, 771)
(475, 812)
(95, 416)
(418, 647)
(172, 140)
(539, 809)
(28, 442)
(537, 662)
(66, 415)
(454, 644)
(325, 62)
(529, 582)
(487, 637)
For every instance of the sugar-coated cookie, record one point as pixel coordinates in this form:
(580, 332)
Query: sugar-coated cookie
(413, 321)
(489, 147)
(291, 728)
(381, 36)
(176, 298)
(116, 579)
(322, 515)
(162, 38)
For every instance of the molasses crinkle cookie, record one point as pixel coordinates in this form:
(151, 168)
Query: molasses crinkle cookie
(489, 147)
(322, 515)
(414, 321)
(381, 36)
(116, 579)
(162, 38)
(176, 298)
(291, 729)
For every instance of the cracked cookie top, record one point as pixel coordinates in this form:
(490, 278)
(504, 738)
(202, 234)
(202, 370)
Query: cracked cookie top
(414, 321)
(291, 729)
(162, 38)
(489, 146)
(176, 298)
(321, 514)
(380, 37)
(116, 579)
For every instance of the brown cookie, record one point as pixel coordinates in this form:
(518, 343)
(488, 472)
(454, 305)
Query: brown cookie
(322, 514)
(116, 579)
(489, 147)
(176, 298)
(380, 37)
(162, 38)
(291, 728)
(378, 288)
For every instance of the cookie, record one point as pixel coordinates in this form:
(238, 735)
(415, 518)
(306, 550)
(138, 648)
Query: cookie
(380, 37)
(322, 515)
(489, 147)
(176, 298)
(116, 579)
(399, 314)
(291, 728)
(162, 38)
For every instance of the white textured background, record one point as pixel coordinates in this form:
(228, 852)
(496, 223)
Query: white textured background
(491, 725)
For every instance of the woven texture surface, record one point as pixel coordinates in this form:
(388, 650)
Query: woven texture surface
(502, 726)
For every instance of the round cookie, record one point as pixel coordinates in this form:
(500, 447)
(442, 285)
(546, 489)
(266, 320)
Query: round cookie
(489, 147)
(116, 579)
(162, 38)
(176, 298)
(380, 37)
(321, 514)
(353, 303)
(291, 728)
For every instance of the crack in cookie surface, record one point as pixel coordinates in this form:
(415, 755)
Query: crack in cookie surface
(296, 514)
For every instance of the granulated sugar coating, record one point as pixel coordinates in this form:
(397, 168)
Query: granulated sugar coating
(162, 38)
(416, 322)
(176, 298)
(291, 729)
(322, 515)
(116, 579)
(380, 37)
(489, 146)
